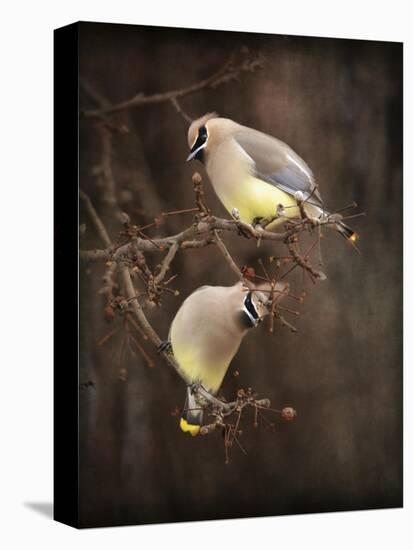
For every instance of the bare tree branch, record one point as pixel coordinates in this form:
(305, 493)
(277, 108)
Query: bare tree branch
(200, 230)
(109, 190)
(221, 245)
(304, 263)
(130, 295)
(166, 263)
(94, 216)
(179, 109)
(109, 282)
(93, 94)
(141, 180)
(199, 195)
(231, 70)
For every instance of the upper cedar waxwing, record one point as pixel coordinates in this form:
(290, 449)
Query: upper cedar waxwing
(206, 334)
(255, 173)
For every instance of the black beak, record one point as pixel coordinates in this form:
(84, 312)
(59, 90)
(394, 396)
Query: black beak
(195, 152)
(191, 155)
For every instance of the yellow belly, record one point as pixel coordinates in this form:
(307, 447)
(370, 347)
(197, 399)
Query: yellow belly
(255, 198)
(194, 370)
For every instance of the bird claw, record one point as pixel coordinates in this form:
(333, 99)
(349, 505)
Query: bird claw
(165, 347)
(194, 387)
(243, 232)
(257, 221)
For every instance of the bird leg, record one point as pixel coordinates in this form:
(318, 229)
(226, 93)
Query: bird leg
(244, 229)
(261, 222)
(257, 221)
(165, 347)
(243, 232)
(207, 399)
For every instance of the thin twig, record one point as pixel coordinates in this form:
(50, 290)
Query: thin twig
(109, 194)
(229, 71)
(199, 194)
(179, 109)
(130, 295)
(221, 245)
(94, 216)
(108, 336)
(146, 357)
(166, 263)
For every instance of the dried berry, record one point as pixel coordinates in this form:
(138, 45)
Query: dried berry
(196, 178)
(288, 413)
(248, 272)
(109, 313)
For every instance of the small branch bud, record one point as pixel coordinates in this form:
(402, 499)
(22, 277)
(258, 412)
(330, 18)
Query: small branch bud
(124, 218)
(299, 197)
(196, 178)
(235, 213)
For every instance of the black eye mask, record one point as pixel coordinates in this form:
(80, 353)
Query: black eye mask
(250, 312)
(202, 137)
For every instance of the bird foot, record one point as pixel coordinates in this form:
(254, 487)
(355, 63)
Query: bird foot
(257, 221)
(243, 232)
(262, 223)
(165, 347)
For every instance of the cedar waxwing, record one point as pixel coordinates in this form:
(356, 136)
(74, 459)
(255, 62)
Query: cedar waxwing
(255, 173)
(206, 334)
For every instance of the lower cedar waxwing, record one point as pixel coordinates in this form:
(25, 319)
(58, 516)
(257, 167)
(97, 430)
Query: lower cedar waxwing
(207, 332)
(256, 174)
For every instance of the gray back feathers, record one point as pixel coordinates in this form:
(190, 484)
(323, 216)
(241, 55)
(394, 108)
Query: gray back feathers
(276, 163)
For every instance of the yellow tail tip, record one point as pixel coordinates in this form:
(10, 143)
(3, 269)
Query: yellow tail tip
(353, 238)
(193, 429)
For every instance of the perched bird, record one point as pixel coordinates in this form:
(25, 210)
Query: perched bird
(256, 174)
(206, 334)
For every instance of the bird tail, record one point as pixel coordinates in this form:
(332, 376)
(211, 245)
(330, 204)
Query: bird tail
(347, 232)
(191, 420)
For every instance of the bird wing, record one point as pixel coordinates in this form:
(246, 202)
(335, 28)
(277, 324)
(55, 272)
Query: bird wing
(275, 162)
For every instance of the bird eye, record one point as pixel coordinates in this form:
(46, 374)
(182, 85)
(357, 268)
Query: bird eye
(202, 134)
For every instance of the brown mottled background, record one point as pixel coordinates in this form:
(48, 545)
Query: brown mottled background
(338, 103)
